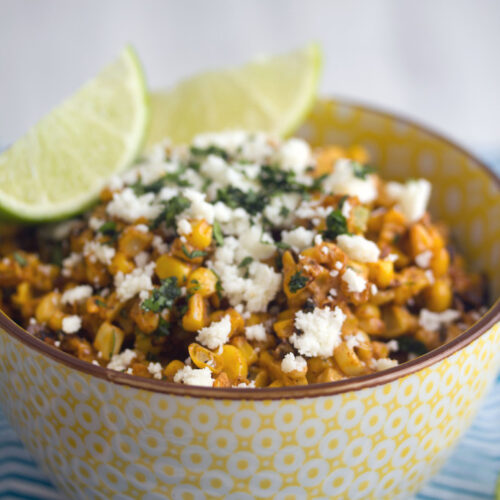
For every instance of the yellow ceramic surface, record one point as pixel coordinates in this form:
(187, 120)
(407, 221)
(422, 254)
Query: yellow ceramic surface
(380, 436)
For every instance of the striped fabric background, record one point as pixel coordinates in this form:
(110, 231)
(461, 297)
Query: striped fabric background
(470, 473)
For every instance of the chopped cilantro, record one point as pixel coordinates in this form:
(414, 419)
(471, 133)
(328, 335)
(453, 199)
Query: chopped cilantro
(140, 188)
(297, 282)
(410, 344)
(218, 287)
(251, 201)
(342, 201)
(282, 245)
(336, 224)
(109, 229)
(275, 180)
(396, 238)
(218, 236)
(210, 150)
(194, 254)
(196, 286)
(284, 211)
(164, 296)
(171, 209)
(100, 303)
(20, 259)
(163, 329)
(245, 262)
(361, 171)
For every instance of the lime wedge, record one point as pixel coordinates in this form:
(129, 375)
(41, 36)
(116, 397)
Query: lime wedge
(271, 94)
(61, 164)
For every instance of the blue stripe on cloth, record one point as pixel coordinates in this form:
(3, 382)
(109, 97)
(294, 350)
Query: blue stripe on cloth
(469, 474)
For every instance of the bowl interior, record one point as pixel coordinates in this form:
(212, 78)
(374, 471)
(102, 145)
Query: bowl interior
(465, 195)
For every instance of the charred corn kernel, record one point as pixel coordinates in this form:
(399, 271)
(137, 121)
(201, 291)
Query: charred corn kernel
(348, 361)
(328, 375)
(326, 159)
(257, 319)
(234, 363)
(272, 366)
(222, 380)
(439, 296)
(96, 273)
(201, 234)
(440, 262)
(167, 267)
(369, 319)
(147, 344)
(109, 340)
(196, 315)
(47, 307)
(380, 350)
(202, 281)
(147, 321)
(398, 321)
(284, 328)
(237, 321)
(430, 339)
(204, 358)
(420, 240)
(381, 273)
(286, 314)
(121, 263)
(358, 153)
(364, 350)
(261, 379)
(172, 368)
(438, 235)
(248, 351)
(133, 241)
(315, 366)
(276, 383)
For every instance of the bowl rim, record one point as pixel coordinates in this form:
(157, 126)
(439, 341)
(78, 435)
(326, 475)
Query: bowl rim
(488, 320)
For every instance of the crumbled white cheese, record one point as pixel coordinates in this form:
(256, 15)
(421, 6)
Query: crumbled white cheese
(115, 183)
(95, 223)
(430, 276)
(358, 248)
(384, 364)
(159, 245)
(256, 332)
(184, 227)
(292, 363)
(194, 376)
(280, 210)
(318, 239)
(338, 265)
(142, 228)
(355, 282)
(96, 251)
(433, 321)
(69, 262)
(343, 181)
(294, 155)
(393, 345)
(373, 289)
(71, 324)
(257, 244)
(320, 329)
(141, 259)
(353, 341)
(346, 209)
(254, 286)
(423, 259)
(199, 208)
(392, 257)
(333, 292)
(299, 238)
(216, 334)
(129, 207)
(156, 370)
(245, 385)
(411, 198)
(120, 362)
(76, 294)
(139, 280)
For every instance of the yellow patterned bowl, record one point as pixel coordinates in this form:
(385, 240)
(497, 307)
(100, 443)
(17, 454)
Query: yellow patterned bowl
(100, 434)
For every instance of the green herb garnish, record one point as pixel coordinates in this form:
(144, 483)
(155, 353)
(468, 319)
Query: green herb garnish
(251, 201)
(217, 232)
(171, 209)
(410, 344)
(100, 303)
(163, 297)
(109, 229)
(245, 262)
(284, 211)
(163, 329)
(210, 150)
(336, 224)
(282, 245)
(297, 282)
(194, 254)
(20, 259)
(361, 171)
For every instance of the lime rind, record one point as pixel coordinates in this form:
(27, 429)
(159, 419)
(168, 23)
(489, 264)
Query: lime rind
(59, 167)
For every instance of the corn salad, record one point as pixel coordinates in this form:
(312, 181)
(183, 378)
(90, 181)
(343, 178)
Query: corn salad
(244, 261)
